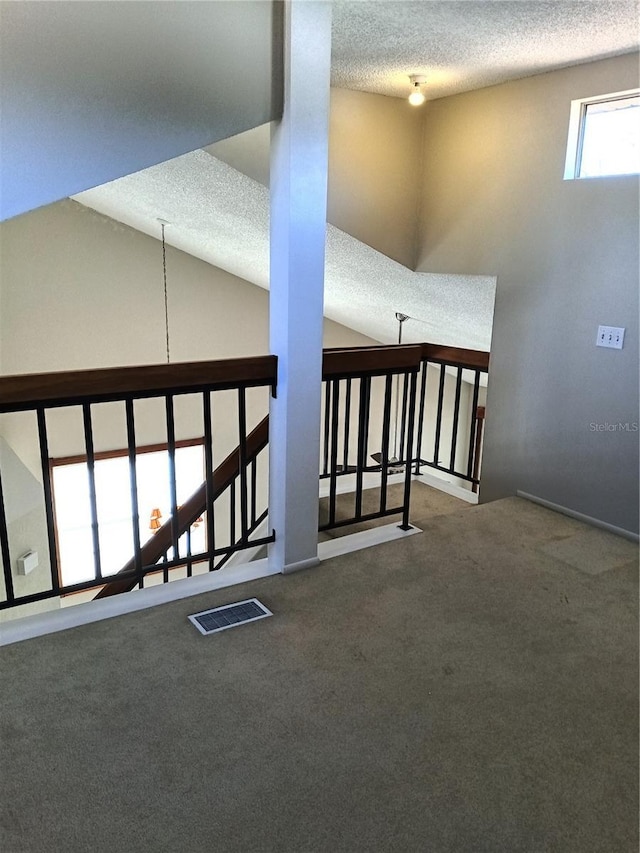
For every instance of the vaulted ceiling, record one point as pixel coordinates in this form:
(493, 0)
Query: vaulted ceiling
(459, 46)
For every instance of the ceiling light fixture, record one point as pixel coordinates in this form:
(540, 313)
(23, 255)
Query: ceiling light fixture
(417, 98)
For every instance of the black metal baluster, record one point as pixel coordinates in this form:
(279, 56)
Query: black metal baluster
(208, 461)
(254, 489)
(402, 455)
(93, 502)
(367, 417)
(436, 449)
(48, 501)
(407, 473)
(242, 426)
(232, 513)
(335, 393)
(347, 427)
(133, 482)
(189, 552)
(173, 492)
(362, 446)
(327, 426)
(473, 422)
(386, 424)
(456, 416)
(423, 396)
(4, 548)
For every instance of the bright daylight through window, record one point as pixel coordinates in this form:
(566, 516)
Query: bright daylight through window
(113, 493)
(604, 136)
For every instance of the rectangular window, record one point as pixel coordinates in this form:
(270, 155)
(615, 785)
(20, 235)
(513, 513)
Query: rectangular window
(113, 493)
(604, 136)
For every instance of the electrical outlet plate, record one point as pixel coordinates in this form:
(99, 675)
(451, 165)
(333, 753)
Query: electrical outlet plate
(610, 336)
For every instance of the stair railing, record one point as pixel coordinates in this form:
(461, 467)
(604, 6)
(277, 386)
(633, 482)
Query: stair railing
(360, 429)
(449, 428)
(376, 424)
(443, 431)
(81, 392)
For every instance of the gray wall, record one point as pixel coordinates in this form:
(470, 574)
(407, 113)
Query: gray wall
(566, 256)
(94, 91)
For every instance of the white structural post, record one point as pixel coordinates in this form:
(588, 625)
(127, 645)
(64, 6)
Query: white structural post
(299, 156)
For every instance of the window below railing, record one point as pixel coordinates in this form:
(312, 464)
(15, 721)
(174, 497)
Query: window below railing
(46, 415)
(70, 480)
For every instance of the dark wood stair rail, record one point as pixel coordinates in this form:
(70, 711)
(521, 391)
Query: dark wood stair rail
(189, 511)
(73, 387)
(336, 363)
(43, 391)
(470, 358)
(38, 392)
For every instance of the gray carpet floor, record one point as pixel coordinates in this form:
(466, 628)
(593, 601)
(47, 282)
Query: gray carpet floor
(471, 688)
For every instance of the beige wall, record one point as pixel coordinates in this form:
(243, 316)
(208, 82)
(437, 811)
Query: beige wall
(374, 169)
(566, 256)
(78, 290)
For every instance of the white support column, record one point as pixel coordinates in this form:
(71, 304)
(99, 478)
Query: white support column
(299, 155)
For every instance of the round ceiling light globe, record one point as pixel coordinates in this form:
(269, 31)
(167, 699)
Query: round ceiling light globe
(416, 99)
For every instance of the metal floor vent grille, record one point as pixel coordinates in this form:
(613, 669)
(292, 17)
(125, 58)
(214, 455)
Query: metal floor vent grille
(230, 615)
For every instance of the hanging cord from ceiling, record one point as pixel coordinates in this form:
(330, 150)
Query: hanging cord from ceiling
(401, 319)
(164, 279)
(393, 463)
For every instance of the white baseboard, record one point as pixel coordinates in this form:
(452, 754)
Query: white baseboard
(365, 539)
(579, 516)
(141, 599)
(67, 617)
(346, 483)
(371, 480)
(430, 479)
(290, 568)
(129, 602)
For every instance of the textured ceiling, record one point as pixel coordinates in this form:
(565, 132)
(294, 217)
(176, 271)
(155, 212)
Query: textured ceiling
(468, 44)
(221, 216)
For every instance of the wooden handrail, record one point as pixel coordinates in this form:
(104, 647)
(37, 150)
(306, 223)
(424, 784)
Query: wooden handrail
(370, 361)
(336, 363)
(29, 390)
(456, 356)
(64, 388)
(162, 540)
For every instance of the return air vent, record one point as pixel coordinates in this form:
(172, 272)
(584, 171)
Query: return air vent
(230, 615)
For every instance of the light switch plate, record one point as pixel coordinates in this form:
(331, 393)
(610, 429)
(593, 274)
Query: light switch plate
(610, 336)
